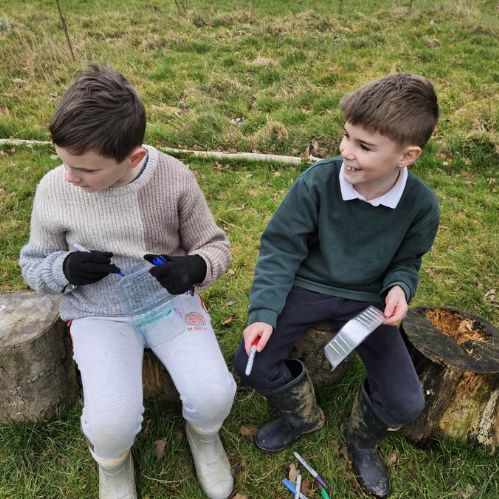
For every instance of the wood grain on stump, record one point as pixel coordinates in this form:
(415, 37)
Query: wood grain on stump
(456, 355)
(37, 376)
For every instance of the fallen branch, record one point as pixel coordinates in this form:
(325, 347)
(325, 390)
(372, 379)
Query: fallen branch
(250, 156)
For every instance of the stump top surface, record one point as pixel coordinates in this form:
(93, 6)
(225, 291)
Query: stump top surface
(476, 352)
(25, 315)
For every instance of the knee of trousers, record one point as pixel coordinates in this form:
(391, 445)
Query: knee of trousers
(257, 378)
(207, 407)
(265, 378)
(407, 408)
(113, 432)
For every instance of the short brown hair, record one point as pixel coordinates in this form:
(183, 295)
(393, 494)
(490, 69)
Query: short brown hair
(402, 107)
(100, 111)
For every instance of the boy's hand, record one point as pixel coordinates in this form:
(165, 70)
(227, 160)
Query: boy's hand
(86, 267)
(255, 330)
(179, 273)
(395, 306)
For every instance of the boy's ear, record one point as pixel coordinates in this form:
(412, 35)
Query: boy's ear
(136, 156)
(409, 155)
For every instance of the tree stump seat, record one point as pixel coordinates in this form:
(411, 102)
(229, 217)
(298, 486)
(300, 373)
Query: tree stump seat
(37, 377)
(456, 355)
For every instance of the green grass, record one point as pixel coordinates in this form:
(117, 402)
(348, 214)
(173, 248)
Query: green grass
(283, 64)
(282, 68)
(49, 459)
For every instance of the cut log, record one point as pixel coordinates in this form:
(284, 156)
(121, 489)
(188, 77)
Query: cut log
(310, 350)
(456, 355)
(37, 376)
(156, 381)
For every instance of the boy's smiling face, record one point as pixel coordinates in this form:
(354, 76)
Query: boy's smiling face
(93, 172)
(373, 161)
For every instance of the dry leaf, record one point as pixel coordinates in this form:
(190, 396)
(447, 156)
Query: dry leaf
(179, 436)
(159, 448)
(468, 492)
(431, 273)
(292, 472)
(490, 295)
(410, 465)
(228, 320)
(239, 496)
(392, 459)
(305, 486)
(227, 304)
(248, 431)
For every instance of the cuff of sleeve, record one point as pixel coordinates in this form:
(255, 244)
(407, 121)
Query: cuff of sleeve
(404, 287)
(59, 279)
(263, 315)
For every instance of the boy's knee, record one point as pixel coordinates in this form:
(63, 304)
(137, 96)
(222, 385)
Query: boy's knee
(413, 407)
(408, 408)
(240, 361)
(211, 404)
(259, 371)
(112, 433)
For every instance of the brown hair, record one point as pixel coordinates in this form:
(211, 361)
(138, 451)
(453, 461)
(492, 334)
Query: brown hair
(402, 107)
(100, 111)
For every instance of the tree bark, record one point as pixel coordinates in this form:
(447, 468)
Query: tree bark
(310, 350)
(456, 355)
(37, 375)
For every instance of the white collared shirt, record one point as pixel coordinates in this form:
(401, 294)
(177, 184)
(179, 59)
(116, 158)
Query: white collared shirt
(390, 198)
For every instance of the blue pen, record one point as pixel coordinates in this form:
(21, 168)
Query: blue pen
(161, 260)
(79, 247)
(291, 487)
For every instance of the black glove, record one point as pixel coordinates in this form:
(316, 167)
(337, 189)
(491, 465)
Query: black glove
(179, 273)
(86, 267)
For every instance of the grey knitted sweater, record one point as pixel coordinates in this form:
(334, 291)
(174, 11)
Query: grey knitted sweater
(162, 211)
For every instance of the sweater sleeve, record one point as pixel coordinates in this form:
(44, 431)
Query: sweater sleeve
(404, 268)
(283, 247)
(200, 235)
(41, 259)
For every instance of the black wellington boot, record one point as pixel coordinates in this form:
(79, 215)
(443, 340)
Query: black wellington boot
(297, 408)
(362, 431)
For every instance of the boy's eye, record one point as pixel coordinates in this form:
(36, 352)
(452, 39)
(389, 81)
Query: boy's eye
(364, 147)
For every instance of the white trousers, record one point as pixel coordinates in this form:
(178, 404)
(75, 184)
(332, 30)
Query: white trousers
(109, 353)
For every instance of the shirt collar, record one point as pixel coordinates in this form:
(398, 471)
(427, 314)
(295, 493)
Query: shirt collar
(390, 198)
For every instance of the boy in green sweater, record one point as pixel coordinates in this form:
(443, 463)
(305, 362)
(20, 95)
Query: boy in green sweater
(350, 233)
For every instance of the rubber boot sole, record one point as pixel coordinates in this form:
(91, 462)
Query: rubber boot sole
(319, 425)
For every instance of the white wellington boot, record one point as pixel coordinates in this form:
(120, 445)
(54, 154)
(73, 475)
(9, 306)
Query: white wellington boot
(210, 461)
(116, 476)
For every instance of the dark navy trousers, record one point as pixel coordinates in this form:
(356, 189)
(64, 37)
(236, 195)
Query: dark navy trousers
(393, 384)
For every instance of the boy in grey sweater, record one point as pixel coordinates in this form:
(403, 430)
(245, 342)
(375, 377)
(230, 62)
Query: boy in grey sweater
(122, 201)
(350, 233)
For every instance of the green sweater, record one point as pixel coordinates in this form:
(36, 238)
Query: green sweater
(349, 249)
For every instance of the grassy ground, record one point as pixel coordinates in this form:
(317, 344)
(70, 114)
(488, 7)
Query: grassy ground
(259, 76)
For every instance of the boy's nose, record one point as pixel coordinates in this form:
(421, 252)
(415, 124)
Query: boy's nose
(345, 150)
(72, 178)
